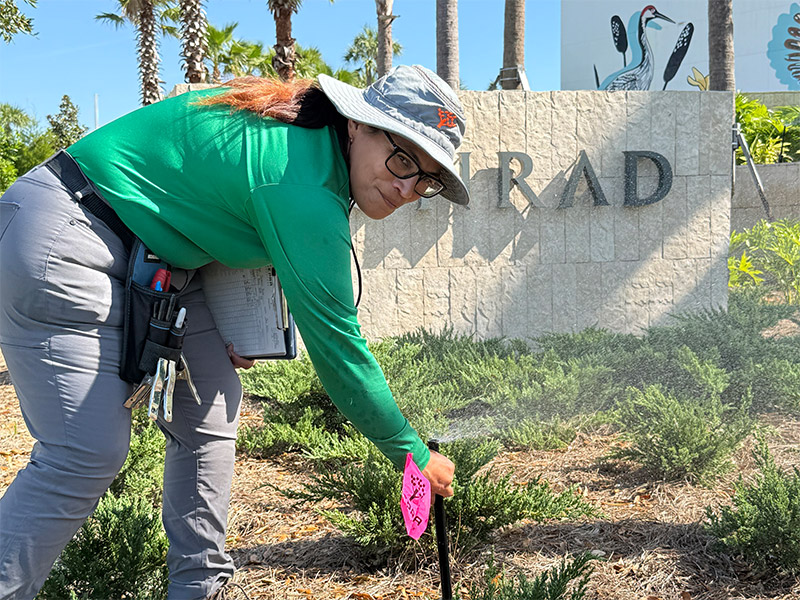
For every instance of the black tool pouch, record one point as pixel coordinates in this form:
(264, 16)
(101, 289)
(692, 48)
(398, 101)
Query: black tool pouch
(148, 331)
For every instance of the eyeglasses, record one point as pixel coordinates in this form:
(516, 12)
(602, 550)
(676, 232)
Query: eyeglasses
(403, 166)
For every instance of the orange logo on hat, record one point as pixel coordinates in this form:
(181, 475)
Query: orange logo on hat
(446, 119)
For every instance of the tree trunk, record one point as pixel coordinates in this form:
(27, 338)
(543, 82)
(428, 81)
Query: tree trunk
(513, 43)
(385, 18)
(720, 46)
(447, 41)
(147, 43)
(284, 58)
(194, 40)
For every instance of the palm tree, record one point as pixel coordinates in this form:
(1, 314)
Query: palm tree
(194, 39)
(147, 16)
(284, 59)
(447, 41)
(363, 51)
(513, 43)
(219, 44)
(720, 45)
(385, 18)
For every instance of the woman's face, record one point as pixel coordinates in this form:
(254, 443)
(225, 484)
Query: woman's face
(377, 192)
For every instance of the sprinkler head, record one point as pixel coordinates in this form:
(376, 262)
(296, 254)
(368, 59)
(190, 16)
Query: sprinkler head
(433, 444)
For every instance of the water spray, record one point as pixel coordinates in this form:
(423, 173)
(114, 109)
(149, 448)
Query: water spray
(441, 537)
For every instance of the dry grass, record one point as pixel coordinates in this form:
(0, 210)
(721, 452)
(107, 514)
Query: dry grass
(650, 542)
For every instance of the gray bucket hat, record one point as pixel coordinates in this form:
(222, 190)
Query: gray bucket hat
(414, 103)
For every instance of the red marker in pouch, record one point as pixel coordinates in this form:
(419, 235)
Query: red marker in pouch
(161, 280)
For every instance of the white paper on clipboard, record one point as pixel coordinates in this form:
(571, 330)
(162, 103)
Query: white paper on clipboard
(248, 308)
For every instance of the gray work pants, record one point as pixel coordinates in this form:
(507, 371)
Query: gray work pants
(62, 275)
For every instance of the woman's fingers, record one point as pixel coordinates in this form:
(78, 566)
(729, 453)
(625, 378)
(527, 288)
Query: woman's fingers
(439, 471)
(236, 360)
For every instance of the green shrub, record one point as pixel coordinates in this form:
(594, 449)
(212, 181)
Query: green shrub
(481, 503)
(773, 385)
(731, 338)
(768, 254)
(591, 342)
(120, 552)
(764, 523)
(307, 434)
(678, 438)
(537, 435)
(770, 134)
(675, 368)
(568, 581)
(142, 475)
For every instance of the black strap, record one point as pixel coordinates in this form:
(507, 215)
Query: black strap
(67, 170)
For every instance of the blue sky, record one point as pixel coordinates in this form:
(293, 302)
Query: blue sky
(74, 54)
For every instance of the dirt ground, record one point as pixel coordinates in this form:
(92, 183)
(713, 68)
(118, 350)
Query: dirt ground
(651, 545)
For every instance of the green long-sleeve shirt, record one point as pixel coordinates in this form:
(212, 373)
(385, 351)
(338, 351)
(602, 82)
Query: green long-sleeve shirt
(203, 183)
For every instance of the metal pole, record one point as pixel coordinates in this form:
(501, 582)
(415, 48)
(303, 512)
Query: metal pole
(441, 538)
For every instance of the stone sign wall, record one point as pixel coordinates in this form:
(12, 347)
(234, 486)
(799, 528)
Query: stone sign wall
(588, 209)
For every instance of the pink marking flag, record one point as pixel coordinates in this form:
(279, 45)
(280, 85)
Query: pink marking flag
(415, 499)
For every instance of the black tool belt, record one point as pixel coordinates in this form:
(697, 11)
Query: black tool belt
(67, 170)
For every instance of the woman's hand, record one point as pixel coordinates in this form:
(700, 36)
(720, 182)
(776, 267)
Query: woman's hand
(439, 471)
(236, 360)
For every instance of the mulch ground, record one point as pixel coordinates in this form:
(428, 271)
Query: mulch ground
(650, 542)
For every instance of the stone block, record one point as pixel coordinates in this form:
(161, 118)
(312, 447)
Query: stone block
(612, 161)
(602, 233)
(540, 300)
(565, 317)
(410, 299)
(577, 227)
(374, 248)
(626, 233)
(675, 219)
(377, 312)
(514, 303)
(687, 289)
(513, 123)
(589, 296)
(745, 194)
(720, 214)
(526, 241)
(470, 227)
(463, 299)
(698, 226)
(663, 125)
(489, 304)
(614, 282)
(425, 229)
(502, 230)
(716, 116)
(436, 298)
(651, 231)
(553, 235)
(687, 134)
(397, 239)
(719, 282)
(638, 122)
(482, 138)
(539, 117)
(745, 218)
(564, 139)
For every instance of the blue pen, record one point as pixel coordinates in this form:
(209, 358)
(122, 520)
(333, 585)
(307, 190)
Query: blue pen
(158, 287)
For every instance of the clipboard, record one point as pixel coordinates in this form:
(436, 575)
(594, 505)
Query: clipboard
(250, 310)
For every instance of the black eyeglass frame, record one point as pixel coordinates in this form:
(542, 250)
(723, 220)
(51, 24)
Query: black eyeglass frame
(419, 173)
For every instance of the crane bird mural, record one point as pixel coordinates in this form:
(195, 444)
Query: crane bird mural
(639, 76)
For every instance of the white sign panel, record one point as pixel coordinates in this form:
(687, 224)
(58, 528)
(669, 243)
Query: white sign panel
(626, 45)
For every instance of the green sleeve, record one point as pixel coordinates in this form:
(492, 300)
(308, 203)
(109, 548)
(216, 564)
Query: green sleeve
(306, 232)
